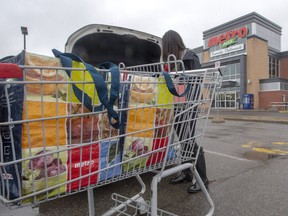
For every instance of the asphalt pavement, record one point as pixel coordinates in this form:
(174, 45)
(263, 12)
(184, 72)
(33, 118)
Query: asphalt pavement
(244, 179)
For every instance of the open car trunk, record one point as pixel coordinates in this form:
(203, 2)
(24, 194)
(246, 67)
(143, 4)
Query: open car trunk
(101, 43)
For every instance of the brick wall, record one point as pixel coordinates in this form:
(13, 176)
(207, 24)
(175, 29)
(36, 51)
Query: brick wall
(257, 66)
(266, 97)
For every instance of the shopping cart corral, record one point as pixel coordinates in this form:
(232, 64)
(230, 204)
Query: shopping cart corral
(68, 127)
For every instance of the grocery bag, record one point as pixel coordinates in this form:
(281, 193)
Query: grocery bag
(47, 139)
(38, 137)
(91, 95)
(149, 120)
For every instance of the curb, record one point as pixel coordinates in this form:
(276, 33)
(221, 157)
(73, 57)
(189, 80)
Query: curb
(252, 118)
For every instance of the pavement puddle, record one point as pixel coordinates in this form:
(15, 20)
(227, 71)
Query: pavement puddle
(263, 156)
(258, 152)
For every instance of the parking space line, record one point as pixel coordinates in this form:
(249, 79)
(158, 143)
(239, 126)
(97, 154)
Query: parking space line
(227, 156)
(280, 143)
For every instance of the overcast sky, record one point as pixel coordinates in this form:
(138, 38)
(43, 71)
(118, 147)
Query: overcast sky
(51, 22)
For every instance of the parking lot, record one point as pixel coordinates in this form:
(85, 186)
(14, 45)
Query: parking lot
(247, 169)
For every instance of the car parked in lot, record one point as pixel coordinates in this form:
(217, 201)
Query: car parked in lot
(97, 43)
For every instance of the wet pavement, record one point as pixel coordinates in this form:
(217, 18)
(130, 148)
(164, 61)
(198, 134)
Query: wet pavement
(248, 160)
(246, 165)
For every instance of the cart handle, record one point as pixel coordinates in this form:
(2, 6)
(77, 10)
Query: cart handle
(9, 70)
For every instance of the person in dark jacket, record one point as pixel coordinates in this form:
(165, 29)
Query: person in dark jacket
(172, 43)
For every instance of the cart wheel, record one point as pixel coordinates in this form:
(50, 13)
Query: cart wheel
(142, 206)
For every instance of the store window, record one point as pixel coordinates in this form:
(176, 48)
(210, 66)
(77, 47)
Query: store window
(284, 86)
(231, 71)
(273, 67)
(273, 86)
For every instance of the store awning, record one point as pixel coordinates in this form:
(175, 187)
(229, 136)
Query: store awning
(228, 83)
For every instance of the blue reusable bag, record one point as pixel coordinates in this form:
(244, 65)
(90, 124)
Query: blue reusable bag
(11, 136)
(110, 156)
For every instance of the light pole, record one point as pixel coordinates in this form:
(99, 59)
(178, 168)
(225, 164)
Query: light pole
(24, 31)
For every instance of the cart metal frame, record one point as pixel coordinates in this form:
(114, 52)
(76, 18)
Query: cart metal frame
(163, 167)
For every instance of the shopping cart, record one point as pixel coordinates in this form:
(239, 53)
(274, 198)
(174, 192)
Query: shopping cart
(53, 146)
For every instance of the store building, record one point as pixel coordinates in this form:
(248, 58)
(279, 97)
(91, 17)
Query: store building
(256, 71)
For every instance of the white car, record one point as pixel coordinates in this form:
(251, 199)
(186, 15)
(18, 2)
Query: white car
(96, 44)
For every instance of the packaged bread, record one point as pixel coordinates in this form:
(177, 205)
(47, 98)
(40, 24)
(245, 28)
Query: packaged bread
(142, 90)
(37, 75)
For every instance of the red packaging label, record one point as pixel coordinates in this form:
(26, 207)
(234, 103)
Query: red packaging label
(158, 156)
(83, 161)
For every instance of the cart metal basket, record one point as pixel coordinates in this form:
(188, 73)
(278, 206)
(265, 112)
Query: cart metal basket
(53, 146)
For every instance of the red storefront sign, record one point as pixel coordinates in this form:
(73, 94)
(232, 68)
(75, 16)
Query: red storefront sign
(220, 39)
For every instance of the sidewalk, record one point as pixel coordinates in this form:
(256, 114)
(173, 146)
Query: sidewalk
(250, 115)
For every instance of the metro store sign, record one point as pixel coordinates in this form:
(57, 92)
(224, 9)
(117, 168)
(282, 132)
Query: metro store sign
(228, 38)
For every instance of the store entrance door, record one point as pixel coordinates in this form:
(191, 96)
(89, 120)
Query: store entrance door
(227, 100)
